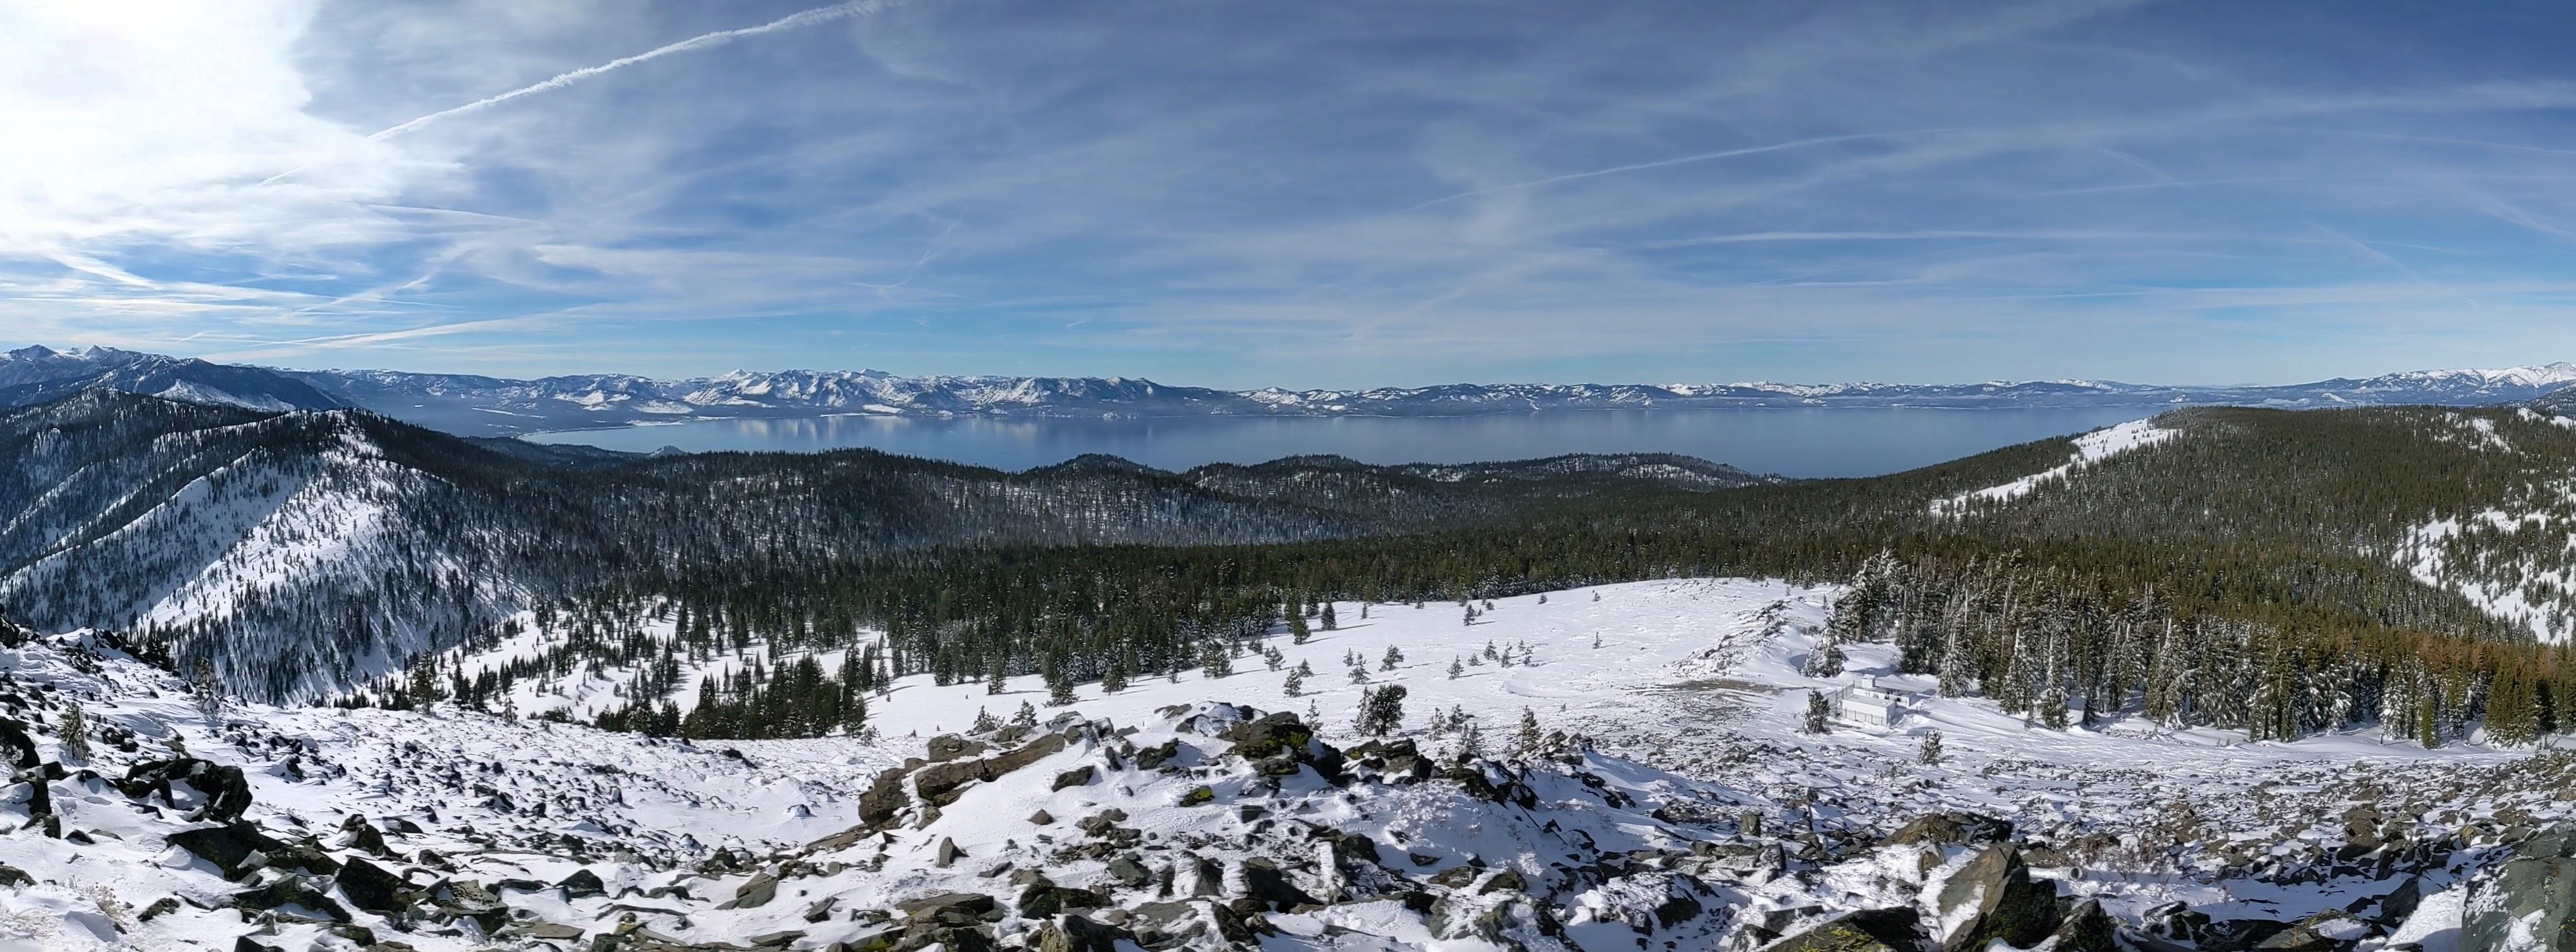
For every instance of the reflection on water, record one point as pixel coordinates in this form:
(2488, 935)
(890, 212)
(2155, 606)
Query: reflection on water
(1795, 442)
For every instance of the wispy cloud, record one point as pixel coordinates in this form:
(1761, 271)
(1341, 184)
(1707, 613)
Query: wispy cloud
(1306, 194)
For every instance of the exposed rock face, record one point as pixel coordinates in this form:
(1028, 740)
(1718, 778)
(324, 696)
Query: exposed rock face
(2533, 892)
(1993, 897)
(1872, 930)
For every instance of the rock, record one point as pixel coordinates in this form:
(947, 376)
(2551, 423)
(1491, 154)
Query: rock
(2533, 891)
(159, 907)
(1077, 777)
(1993, 897)
(947, 747)
(1078, 934)
(1455, 877)
(775, 940)
(13, 877)
(291, 892)
(2085, 928)
(1127, 871)
(1041, 818)
(948, 854)
(1043, 899)
(1273, 734)
(1869, 930)
(754, 892)
(582, 883)
(1263, 881)
(235, 848)
(2331, 931)
(225, 791)
(244, 944)
(1936, 829)
(18, 744)
(1507, 879)
(373, 888)
(966, 905)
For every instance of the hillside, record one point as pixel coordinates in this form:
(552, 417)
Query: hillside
(307, 549)
(1663, 791)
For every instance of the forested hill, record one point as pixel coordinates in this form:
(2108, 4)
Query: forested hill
(305, 551)
(304, 548)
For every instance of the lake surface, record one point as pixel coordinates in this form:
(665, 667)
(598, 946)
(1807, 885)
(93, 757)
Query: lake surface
(1792, 442)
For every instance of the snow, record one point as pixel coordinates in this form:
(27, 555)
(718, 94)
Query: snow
(2090, 449)
(1690, 691)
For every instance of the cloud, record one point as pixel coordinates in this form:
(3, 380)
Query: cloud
(1302, 194)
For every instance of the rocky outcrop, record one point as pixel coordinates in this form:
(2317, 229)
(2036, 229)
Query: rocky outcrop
(2532, 894)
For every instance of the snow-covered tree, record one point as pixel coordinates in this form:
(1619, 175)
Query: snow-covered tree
(1381, 710)
(1820, 714)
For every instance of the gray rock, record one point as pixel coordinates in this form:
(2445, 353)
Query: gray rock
(1126, 870)
(2537, 885)
(1077, 777)
(1946, 828)
(1993, 897)
(1869, 930)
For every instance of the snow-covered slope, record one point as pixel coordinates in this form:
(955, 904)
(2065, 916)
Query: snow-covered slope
(1683, 806)
(2090, 449)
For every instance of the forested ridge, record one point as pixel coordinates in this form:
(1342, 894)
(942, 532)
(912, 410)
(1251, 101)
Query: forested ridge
(2276, 572)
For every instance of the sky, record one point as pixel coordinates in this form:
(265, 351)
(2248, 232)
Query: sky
(1318, 194)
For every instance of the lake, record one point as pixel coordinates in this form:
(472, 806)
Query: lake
(1806, 442)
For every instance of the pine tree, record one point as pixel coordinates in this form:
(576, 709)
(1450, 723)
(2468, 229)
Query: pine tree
(985, 722)
(1455, 669)
(1296, 683)
(1392, 658)
(997, 675)
(1359, 675)
(1528, 743)
(1273, 657)
(1819, 717)
(1381, 710)
(1114, 680)
(1931, 752)
(1297, 631)
(1826, 660)
(1026, 716)
(74, 731)
(206, 690)
(1329, 623)
(1471, 745)
(1215, 663)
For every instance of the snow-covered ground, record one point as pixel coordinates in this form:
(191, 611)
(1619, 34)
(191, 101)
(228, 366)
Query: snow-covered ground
(2090, 449)
(1688, 691)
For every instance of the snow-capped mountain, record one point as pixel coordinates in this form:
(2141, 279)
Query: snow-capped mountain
(478, 405)
(31, 375)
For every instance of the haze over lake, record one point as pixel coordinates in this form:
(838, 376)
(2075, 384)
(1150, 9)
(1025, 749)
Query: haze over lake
(1791, 442)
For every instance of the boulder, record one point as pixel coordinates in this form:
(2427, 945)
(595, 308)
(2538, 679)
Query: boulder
(1265, 882)
(1078, 934)
(1043, 899)
(225, 790)
(2085, 928)
(2533, 891)
(234, 848)
(291, 893)
(1869, 930)
(373, 888)
(1077, 777)
(1936, 829)
(580, 884)
(1993, 897)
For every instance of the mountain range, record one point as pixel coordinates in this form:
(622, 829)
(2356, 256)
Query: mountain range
(492, 406)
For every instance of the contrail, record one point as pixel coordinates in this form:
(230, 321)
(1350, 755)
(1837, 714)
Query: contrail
(1660, 163)
(789, 22)
(793, 21)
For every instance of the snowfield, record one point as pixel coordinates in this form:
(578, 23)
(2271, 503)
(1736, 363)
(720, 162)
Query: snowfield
(1687, 810)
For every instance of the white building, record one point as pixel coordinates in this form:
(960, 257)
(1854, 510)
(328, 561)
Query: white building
(1863, 703)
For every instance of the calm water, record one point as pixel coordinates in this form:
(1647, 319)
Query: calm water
(1797, 442)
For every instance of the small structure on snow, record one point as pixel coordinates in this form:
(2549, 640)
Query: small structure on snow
(1863, 703)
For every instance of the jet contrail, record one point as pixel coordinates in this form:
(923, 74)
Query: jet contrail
(853, 8)
(789, 22)
(1661, 163)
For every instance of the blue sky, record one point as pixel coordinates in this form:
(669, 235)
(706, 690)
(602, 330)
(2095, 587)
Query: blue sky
(1314, 194)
